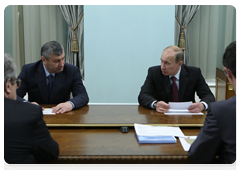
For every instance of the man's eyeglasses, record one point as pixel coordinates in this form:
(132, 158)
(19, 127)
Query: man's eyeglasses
(18, 82)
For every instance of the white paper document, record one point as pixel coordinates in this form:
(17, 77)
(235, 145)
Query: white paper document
(148, 130)
(47, 111)
(180, 108)
(180, 105)
(187, 142)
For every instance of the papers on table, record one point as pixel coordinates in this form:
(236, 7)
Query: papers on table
(162, 134)
(157, 134)
(182, 113)
(180, 105)
(47, 111)
(180, 108)
(187, 142)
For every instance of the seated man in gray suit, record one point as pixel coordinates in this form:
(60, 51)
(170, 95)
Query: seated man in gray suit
(173, 81)
(218, 134)
(51, 81)
(26, 136)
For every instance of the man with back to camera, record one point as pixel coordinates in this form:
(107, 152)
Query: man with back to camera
(51, 81)
(218, 134)
(173, 75)
(26, 136)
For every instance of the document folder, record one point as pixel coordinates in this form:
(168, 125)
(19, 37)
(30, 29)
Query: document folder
(157, 134)
(156, 139)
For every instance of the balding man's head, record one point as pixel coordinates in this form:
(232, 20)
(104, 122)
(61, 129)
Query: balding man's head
(179, 56)
(171, 60)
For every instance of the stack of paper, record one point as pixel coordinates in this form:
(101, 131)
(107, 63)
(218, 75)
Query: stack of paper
(157, 134)
(47, 111)
(180, 108)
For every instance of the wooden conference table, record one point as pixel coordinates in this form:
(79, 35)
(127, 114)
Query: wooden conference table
(119, 115)
(91, 135)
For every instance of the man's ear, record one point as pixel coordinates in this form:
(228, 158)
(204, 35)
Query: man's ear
(43, 59)
(180, 63)
(7, 89)
(229, 73)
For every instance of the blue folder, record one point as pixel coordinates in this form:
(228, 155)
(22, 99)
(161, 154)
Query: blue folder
(156, 139)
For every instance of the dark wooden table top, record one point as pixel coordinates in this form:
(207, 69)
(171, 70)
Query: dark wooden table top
(110, 144)
(109, 149)
(119, 115)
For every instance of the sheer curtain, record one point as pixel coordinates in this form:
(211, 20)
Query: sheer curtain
(15, 38)
(72, 15)
(213, 28)
(42, 23)
(185, 14)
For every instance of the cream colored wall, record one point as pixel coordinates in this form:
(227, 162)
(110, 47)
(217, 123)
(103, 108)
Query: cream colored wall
(212, 85)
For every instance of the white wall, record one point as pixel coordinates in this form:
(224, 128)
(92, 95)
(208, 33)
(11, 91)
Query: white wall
(120, 44)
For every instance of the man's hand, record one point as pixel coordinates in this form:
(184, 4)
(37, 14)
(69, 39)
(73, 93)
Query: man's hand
(162, 107)
(62, 108)
(196, 107)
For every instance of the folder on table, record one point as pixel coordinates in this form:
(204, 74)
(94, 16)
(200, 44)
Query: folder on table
(156, 139)
(157, 134)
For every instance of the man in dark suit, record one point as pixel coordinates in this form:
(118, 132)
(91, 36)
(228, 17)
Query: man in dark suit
(26, 136)
(51, 81)
(174, 81)
(218, 134)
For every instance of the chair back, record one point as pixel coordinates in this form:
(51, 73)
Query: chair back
(234, 166)
(6, 167)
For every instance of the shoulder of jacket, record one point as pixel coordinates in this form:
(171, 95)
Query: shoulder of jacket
(155, 67)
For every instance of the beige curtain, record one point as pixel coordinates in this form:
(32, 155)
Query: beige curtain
(42, 23)
(15, 38)
(213, 28)
(185, 14)
(72, 14)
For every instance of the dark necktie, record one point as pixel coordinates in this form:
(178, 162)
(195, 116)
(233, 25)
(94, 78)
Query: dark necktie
(50, 82)
(174, 90)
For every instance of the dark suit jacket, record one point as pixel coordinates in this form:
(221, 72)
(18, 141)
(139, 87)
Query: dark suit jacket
(157, 86)
(69, 80)
(26, 136)
(218, 134)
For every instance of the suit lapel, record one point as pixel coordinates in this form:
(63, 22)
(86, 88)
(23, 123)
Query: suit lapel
(40, 77)
(58, 80)
(183, 82)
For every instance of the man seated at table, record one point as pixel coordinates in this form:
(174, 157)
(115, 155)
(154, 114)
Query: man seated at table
(218, 134)
(26, 136)
(173, 81)
(51, 81)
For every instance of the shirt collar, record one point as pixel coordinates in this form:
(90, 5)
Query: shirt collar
(177, 75)
(46, 72)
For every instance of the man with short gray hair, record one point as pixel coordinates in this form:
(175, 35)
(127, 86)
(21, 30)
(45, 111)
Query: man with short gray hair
(26, 136)
(51, 81)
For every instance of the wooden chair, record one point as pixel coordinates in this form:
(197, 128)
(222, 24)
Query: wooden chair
(234, 166)
(6, 167)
